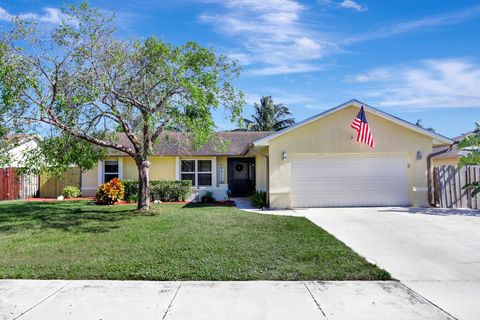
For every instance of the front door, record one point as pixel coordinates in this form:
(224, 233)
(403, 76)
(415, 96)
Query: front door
(241, 176)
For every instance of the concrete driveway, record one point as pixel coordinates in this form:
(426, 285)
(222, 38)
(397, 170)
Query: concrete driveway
(434, 252)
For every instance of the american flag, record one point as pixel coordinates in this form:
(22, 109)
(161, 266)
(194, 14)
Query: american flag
(361, 125)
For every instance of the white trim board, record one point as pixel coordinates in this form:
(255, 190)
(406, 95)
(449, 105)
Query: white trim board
(437, 137)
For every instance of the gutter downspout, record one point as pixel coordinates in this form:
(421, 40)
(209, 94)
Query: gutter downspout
(429, 172)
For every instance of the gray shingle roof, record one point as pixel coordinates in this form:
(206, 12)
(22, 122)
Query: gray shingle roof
(228, 143)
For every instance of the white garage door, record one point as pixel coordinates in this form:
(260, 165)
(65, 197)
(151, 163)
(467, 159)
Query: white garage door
(349, 181)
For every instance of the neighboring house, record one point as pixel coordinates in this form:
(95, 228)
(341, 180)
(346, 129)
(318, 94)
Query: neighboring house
(18, 147)
(451, 155)
(315, 163)
(12, 185)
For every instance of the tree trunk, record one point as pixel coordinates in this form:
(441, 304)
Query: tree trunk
(143, 185)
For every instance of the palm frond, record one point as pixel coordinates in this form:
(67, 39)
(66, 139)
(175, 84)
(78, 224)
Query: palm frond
(269, 116)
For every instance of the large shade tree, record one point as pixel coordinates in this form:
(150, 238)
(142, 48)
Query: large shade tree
(269, 116)
(83, 79)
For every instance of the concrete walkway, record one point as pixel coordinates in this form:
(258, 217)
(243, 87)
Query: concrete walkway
(61, 300)
(435, 252)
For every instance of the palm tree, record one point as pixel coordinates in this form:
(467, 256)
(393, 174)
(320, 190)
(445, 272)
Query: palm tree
(269, 116)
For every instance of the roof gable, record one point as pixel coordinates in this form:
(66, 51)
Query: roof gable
(437, 138)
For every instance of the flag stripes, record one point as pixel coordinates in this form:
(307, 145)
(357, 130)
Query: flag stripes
(361, 125)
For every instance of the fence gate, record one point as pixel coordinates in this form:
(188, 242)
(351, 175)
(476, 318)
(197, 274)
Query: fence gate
(449, 183)
(9, 185)
(14, 186)
(29, 186)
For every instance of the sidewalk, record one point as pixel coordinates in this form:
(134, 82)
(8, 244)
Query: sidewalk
(276, 300)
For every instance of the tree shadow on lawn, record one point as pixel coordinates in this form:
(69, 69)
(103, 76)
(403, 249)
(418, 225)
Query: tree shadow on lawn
(435, 211)
(194, 205)
(71, 217)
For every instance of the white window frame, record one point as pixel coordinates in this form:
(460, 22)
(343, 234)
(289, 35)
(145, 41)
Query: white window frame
(196, 172)
(120, 169)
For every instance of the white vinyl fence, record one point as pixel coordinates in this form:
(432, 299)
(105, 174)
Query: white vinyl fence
(449, 182)
(29, 185)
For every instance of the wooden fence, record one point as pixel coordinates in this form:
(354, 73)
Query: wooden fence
(29, 186)
(14, 186)
(449, 182)
(51, 186)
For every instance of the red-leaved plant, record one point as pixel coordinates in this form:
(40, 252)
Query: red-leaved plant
(110, 192)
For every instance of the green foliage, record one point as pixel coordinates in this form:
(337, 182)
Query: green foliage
(57, 154)
(110, 192)
(259, 199)
(269, 116)
(163, 190)
(71, 192)
(131, 190)
(208, 197)
(474, 187)
(472, 144)
(81, 78)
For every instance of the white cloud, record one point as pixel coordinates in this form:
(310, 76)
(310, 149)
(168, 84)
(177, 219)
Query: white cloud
(389, 30)
(49, 15)
(276, 36)
(272, 35)
(430, 83)
(350, 4)
(284, 69)
(4, 15)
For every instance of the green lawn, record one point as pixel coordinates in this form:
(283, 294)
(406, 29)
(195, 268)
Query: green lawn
(77, 240)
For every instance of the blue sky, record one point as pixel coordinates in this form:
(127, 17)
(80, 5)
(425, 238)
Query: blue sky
(414, 59)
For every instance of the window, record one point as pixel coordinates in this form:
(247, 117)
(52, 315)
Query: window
(198, 171)
(110, 170)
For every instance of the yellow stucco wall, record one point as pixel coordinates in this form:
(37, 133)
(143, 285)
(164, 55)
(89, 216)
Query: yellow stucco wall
(90, 177)
(260, 173)
(332, 134)
(445, 162)
(162, 168)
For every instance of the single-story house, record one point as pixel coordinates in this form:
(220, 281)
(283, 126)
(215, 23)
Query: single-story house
(314, 163)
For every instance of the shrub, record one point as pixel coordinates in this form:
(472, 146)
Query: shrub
(208, 197)
(163, 190)
(110, 192)
(71, 192)
(259, 199)
(131, 190)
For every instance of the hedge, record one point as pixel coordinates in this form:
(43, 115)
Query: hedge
(163, 190)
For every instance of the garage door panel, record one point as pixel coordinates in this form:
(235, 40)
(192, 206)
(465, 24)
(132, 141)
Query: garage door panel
(349, 181)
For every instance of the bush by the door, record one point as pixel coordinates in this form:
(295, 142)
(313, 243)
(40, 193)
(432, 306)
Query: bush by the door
(259, 199)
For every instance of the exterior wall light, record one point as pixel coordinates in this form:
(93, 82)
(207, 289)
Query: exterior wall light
(419, 155)
(284, 155)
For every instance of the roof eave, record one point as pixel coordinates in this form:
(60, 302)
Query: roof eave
(437, 138)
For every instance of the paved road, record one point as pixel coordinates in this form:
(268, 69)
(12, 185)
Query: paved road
(61, 300)
(434, 252)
